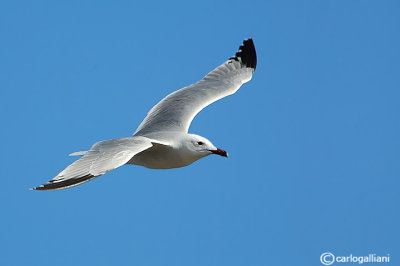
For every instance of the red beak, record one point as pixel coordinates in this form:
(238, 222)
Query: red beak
(220, 152)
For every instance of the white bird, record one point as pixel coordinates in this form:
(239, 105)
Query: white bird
(162, 140)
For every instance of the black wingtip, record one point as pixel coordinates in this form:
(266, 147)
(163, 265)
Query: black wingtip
(52, 185)
(247, 54)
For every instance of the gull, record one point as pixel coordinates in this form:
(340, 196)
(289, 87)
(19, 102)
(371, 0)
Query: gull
(162, 140)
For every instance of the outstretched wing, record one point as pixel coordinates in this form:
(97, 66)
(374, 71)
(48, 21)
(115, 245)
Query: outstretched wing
(104, 156)
(176, 111)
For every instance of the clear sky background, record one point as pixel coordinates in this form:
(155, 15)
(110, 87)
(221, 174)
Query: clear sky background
(313, 139)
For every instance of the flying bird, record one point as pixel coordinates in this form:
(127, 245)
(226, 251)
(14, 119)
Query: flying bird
(162, 140)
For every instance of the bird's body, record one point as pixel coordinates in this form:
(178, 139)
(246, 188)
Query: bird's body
(176, 154)
(162, 140)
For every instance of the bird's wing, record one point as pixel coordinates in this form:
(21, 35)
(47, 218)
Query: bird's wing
(176, 111)
(104, 156)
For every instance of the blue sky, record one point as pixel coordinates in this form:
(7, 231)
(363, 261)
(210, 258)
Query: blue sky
(313, 139)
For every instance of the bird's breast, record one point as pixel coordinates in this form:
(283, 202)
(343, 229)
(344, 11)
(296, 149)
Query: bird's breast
(162, 157)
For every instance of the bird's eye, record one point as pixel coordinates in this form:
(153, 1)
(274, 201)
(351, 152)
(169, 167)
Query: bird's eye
(200, 142)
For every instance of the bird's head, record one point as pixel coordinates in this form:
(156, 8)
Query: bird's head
(202, 147)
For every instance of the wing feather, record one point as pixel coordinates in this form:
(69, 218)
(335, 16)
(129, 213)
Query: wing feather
(176, 111)
(103, 157)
